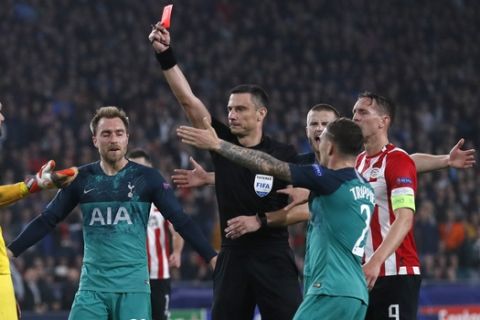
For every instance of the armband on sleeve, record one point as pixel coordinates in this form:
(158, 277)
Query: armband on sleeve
(403, 198)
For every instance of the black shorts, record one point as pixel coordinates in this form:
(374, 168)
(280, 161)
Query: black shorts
(394, 297)
(266, 277)
(160, 298)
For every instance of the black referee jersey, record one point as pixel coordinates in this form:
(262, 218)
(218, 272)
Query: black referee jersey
(241, 191)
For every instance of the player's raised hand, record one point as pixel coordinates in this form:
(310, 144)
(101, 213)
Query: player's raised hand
(240, 225)
(201, 138)
(159, 37)
(297, 196)
(197, 177)
(46, 178)
(461, 159)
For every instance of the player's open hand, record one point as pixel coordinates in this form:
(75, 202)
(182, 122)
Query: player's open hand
(159, 37)
(297, 196)
(201, 138)
(197, 177)
(461, 159)
(46, 178)
(241, 225)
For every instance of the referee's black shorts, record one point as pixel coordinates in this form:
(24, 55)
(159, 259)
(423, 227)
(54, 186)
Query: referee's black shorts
(394, 297)
(267, 277)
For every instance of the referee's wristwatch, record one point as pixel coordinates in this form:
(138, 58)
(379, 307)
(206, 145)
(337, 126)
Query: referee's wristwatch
(263, 220)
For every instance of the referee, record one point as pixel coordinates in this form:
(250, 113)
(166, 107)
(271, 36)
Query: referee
(259, 268)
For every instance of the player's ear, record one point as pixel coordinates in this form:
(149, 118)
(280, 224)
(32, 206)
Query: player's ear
(384, 121)
(94, 140)
(261, 113)
(330, 148)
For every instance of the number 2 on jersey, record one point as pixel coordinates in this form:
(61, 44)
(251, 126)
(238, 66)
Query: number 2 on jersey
(359, 247)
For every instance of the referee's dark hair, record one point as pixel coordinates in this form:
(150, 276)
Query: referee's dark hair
(259, 96)
(386, 105)
(346, 135)
(139, 153)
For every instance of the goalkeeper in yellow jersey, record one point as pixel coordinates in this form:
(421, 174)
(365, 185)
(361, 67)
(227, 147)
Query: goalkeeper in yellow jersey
(46, 178)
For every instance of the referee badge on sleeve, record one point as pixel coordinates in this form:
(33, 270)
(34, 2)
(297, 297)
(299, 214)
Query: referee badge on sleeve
(263, 184)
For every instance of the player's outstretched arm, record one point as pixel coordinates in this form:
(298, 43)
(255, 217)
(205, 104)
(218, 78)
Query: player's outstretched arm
(197, 177)
(457, 158)
(46, 178)
(251, 159)
(241, 225)
(165, 200)
(191, 104)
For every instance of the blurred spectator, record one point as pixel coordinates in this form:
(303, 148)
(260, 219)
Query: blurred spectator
(427, 237)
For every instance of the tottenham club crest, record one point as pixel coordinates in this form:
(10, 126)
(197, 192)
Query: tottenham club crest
(130, 193)
(263, 184)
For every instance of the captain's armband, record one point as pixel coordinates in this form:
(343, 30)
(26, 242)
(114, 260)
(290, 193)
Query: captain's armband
(403, 198)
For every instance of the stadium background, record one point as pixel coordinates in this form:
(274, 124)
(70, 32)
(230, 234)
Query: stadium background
(60, 60)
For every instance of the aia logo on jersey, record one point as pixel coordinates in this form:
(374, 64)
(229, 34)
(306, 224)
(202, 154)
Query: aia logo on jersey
(262, 185)
(110, 216)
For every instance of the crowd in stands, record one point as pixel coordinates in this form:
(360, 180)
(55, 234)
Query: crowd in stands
(60, 60)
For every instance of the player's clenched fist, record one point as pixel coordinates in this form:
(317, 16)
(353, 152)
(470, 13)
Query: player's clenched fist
(46, 178)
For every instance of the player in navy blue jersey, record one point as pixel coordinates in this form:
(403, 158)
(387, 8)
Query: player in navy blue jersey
(115, 196)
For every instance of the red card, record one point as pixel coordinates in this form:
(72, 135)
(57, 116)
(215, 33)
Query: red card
(167, 13)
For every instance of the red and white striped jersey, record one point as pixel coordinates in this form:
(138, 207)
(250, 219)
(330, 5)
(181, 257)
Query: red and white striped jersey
(158, 245)
(392, 169)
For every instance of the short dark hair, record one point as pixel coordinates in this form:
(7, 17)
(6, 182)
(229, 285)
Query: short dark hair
(325, 107)
(139, 153)
(108, 112)
(259, 96)
(346, 135)
(386, 105)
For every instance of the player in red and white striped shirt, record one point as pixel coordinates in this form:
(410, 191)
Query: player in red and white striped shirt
(160, 255)
(392, 266)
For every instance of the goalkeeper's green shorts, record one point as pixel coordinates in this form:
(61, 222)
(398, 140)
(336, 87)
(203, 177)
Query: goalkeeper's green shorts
(330, 307)
(94, 305)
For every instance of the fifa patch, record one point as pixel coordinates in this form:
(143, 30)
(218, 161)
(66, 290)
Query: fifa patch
(263, 184)
(166, 186)
(318, 170)
(404, 180)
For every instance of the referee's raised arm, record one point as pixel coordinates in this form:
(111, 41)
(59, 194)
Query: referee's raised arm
(191, 104)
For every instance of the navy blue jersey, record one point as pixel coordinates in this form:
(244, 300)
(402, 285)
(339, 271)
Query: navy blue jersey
(115, 211)
(305, 158)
